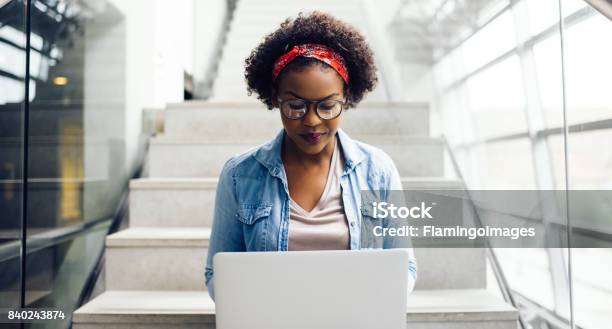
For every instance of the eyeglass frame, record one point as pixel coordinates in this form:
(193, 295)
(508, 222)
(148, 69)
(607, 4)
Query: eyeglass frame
(307, 102)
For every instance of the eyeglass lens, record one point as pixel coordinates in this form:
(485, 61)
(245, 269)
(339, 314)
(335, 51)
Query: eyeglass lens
(297, 108)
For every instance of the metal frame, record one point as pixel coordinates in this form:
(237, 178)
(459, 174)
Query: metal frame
(24, 175)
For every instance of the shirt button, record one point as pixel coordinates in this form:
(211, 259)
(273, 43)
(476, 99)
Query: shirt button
(352, 224)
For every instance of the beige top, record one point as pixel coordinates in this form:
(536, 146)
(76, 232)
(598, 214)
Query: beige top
(325, 227)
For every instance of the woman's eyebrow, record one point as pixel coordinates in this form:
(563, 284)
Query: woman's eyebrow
(298, 96)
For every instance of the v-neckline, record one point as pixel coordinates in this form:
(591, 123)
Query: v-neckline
(326, 188)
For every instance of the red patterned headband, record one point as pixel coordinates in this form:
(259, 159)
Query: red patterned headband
(318, 51)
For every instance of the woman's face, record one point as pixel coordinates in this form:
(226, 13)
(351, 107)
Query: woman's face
(310, 134)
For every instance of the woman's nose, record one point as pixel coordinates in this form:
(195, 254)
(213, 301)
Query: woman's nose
(311, 118)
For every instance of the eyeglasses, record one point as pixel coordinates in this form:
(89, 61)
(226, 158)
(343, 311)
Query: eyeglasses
(296, 109)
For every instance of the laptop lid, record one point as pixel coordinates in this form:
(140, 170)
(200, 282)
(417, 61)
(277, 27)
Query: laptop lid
(311, 289)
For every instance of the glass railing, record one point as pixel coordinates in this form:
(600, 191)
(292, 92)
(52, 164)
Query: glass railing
(588, 116)
(66, 150)
(521, 91)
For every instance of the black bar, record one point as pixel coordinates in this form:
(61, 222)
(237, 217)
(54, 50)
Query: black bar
(24, 176)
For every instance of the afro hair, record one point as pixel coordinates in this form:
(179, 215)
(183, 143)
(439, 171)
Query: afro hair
(316, 27)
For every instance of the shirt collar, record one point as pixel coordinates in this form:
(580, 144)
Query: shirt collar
(269, 154)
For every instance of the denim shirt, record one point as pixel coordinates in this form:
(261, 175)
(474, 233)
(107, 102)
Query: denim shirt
(252, 199)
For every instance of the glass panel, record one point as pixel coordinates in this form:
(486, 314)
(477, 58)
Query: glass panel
(490, 42)
(588, 69)
(57, 274)
(12, 94)
(504, 165)
(588, 77)
(77, 116)
(591, 268)
(557, 152)
(532, 263)
(497, 99)
(502, 100)
(590, 164)
(12, 60)
(548, 69)
(543, 14)
(77, 165)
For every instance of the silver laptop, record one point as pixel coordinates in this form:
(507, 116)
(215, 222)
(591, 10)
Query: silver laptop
(311, 289)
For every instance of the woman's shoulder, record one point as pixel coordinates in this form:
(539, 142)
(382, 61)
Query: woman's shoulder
(257, 158)
(379, 167)
(358, 149)
(242, 161)
(374, 155)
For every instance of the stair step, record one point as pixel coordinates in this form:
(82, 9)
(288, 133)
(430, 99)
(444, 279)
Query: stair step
(459, 309)
(451, 268)
(222, 93)
(172, 202)
(212, 105)
(153, 258)
(146, 309)
(431, 309)
(240, 94)
(189, 202)
(413, 156)
(233, 88)
(227, 122)
(156, 259)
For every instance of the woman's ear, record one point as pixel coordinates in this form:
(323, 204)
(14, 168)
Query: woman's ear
(346, 98)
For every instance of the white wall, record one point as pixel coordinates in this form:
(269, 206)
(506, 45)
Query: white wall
(161, 39)
(207, 26)
(173, 38)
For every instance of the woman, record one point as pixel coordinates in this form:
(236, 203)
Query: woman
(301, 191)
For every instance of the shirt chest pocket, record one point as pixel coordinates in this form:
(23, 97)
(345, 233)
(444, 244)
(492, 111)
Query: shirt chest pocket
(251, 213)
(255, 218)
(367, 213)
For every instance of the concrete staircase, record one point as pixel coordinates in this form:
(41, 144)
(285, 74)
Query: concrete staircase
(155, 268)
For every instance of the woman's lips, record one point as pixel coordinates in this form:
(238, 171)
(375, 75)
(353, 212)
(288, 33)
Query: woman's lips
(312, 138)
